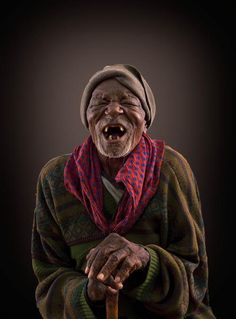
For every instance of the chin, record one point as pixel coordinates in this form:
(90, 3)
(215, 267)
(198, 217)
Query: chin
(115, 150)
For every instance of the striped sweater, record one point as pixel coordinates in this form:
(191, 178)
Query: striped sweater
(175, 284)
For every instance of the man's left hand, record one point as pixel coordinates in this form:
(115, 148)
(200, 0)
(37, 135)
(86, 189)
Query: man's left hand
(115, 257)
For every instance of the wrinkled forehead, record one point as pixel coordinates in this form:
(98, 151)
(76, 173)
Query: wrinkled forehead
(111, 87)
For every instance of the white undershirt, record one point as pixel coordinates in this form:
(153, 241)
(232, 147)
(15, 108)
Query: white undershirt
(115, 192)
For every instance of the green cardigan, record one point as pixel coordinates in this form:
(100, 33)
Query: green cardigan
(175, 284)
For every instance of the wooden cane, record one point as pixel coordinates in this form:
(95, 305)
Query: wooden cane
(112, 306)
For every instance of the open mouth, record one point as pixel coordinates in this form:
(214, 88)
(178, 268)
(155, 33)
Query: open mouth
(113, 132)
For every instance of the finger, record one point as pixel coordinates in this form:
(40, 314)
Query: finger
(110, 282)
(109, 243)
(127, 268)
(112, 263)
(97, 263)
(100, 260)
(90, 258)
(90, 253)
(111, 290)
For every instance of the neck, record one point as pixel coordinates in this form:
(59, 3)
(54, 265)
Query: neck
(111, 165)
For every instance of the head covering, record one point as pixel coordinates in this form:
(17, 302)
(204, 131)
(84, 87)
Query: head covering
(128, 76)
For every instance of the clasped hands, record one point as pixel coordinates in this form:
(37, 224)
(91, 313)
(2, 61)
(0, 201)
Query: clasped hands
(111, 263)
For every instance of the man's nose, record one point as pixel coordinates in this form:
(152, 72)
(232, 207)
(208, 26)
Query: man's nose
(114, 108)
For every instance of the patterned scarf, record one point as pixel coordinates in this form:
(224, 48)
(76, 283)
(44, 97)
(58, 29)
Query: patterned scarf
(139, 174)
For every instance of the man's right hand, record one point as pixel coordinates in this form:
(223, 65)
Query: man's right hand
(97, 291)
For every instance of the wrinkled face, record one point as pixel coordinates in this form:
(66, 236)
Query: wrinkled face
(116, 119)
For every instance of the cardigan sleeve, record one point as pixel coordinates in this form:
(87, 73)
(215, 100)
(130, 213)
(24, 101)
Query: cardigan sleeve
(60, 292)
(176, 280)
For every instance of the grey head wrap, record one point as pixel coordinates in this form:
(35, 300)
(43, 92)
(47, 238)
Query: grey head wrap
(128, 76)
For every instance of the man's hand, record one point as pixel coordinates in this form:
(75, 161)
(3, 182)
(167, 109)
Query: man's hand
(114, 259)
(97, 291)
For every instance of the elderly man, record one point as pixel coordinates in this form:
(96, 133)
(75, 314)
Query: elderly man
(119, 214)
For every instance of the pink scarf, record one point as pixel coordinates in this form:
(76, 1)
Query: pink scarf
(139, 174)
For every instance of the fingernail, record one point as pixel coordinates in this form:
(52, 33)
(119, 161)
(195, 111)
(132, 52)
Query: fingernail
(117, 279)
(100, 276)
(120, 285)
(113, 291)
(86, 270)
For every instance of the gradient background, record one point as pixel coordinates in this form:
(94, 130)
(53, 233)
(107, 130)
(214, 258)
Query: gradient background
(185, 51)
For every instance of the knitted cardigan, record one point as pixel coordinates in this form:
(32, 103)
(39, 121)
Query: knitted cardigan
(175, 283)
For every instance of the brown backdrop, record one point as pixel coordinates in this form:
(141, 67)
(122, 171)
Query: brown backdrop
(49, 51)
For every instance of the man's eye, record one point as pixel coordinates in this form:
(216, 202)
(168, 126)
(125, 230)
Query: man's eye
(97, 105)
(130, 104)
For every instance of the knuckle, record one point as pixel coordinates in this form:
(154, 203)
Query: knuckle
(102, 251)
(107, 250)
(114, 258)
(91, 252)
(125, 276)
(115, 235)
(128, 250)
(128, 263)
(138, 264)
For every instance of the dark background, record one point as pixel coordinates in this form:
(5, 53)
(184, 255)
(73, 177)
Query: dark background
(48, 52)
